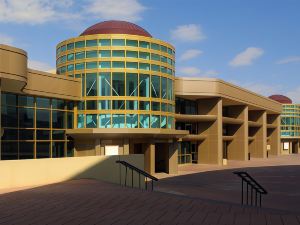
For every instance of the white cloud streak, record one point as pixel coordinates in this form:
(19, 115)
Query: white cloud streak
(190, 54)
(191, 71)
(129, 10)
(39, 65)
(291, 59)
(188, 33)
(246, 57)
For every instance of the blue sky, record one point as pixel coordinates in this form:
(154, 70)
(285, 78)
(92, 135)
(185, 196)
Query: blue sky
(252, 43)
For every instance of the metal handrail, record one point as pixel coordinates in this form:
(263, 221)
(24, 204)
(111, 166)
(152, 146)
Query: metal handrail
(254, 185)
(139, 171)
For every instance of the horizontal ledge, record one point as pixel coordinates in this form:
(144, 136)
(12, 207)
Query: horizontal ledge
(229, 120)
(194, 118)
(194, 137)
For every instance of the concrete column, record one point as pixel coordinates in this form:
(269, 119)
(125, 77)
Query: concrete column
(274, 134)
(260, 142)
(149, 153)
(238, 148)
(126, 146)
(98, 146)
(173, 158)
(210, 150)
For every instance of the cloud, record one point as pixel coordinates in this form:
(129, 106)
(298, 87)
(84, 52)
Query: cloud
(246, 57)
(191, 71)
(294, 95)
(129, 10)
(291, 59)
(188, 33)
(190, 54)
(35, 11)
(38, 65)
(5, 39)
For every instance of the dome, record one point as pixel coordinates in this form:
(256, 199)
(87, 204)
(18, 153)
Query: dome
(281, 98)
(116, 27)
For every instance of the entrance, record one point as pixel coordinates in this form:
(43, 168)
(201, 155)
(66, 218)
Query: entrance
(225, 150)
(161, 157)
(194, 151)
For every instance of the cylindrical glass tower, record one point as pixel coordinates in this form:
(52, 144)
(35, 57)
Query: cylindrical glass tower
(127, 76)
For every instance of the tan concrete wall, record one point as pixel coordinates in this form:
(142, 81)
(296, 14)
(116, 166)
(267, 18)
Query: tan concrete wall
(32, 172)
(274, 134)
(259, 145)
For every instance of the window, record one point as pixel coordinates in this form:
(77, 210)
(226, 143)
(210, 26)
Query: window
(104, 65)
(9, 150)
(163, 122)
(25, 101)
(118, 42)
(144, 121)
(155, 68)
(132, 54)
(163, 48)
(132, 84)
(144, 66)
(91, 121)
(26, 150)
(118, 82)
(58, 119)
(104, 42)
(70, 57)
(118, 64)
(8, 99)
(91, 43)
(170, 89)
(118, 120)
(58, 149)
(10, 134)
(43, 134)
(144, 85)
(104, 84)
(144, 44)
(164, 59)
(155, 106)
(91, 84)
(26, 117)
(132, 43)
(144, 105)
(42, 102)
(104, 53)
(164, 88)
(163, 107)
(132, 121)
(91, 54)
(170, 51)
(70, 118)
(91, 65)
(79, 55)
(42, 118)
(79, 44)
(118, 104)
(105, 120)
(170, 122)
(91, 105)
(144, 55)
(155, 86)
(79, 66)
(80, 121)
(70, 67)
(132, 105)
(63, 48)
(132, 65)
(43, 149)
(155, 121)
(155, 46)
(24, 134)
(118, 53)
(104, 105)
(155, 57)
(70, 46)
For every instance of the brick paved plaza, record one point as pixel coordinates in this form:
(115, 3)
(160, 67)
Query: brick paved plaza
(198, 198)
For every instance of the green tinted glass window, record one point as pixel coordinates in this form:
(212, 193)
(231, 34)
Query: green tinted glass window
(163, 48)
(131, 65)
(144, 66)
(155, 67)
(70, 67)
(91, 65)
(164, 59)
(155, 46)
(70, 57)
(104, 42)
(144, 87)
(118, 84)
(118, 104)
(79, 44)
(144, 121)
(104, 53)
(79, 55)
(91, 120)
(70, 46)
(26, 101)
(144, 105)
(58, 104)
(118, 53)
(163, 122)
(80, 121)
(104, 84)
(132, 43)
(131, 54)
(155, 106)
(105, 120)
(91, 43)
(132, 120)
(155, 57)
(155, 121)
(131, 84)
(164, 88)
(144, 55)
(155, 86)
(42, 102)
(63, 48)
(104, 64)
(79, 66)
(118, 120)
(144, 44)
(91, 54)
(91, 84)
(118, 42)
(104, 105)
(118, 64)
(132, 105)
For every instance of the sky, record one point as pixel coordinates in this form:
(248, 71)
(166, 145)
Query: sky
(251, 43)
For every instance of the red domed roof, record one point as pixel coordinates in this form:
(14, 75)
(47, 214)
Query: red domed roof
(281, 98)
(116, 27)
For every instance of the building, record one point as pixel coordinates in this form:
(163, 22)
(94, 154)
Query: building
(115, 92)
(290, 124)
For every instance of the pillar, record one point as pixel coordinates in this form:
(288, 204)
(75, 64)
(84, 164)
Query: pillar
(149, 153)
(172, 158)
(260, 141)
(274, 134)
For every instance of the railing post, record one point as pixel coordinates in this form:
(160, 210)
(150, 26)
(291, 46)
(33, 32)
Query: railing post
(242, 191)
(259, 199)
(126, 177)
(251, 195)
(139, 180)
(132, 178)
(247, 192)
(255, 197)
(152, 185)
